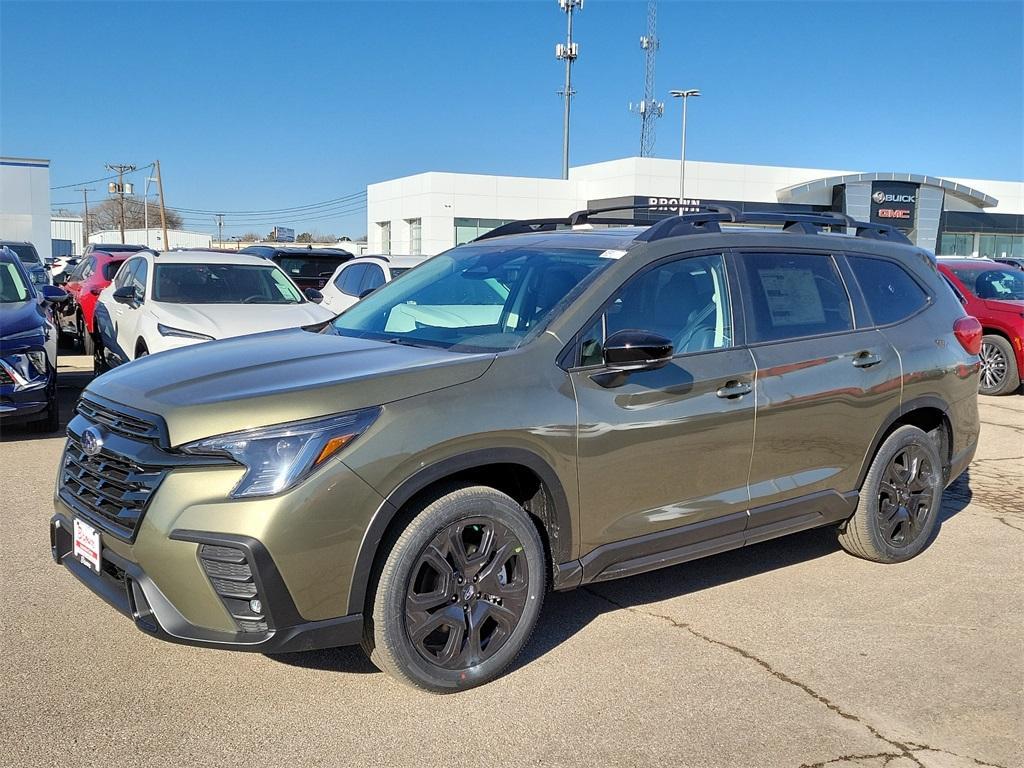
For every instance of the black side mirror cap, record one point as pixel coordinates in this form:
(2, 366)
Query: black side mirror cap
(636, 350)
(125, 294)
(313, 295)
(366, 293)
(52, 293)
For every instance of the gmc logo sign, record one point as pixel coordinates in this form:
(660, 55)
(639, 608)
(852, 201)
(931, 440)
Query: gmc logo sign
(892, 213)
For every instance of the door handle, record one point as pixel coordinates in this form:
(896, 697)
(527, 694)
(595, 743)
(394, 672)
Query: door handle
(866, 359)
(734, 389)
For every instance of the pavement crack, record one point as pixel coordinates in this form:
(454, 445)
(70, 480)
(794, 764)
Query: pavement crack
(889, 756)
(1008, 524)
(976, 761)
(904, 750)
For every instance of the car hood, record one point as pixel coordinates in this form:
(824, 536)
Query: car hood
(270, 378)
(18, 318)
(223, 321)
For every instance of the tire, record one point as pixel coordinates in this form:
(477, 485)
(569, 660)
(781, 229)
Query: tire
(85, 339)
(141, 350)
(897, 513)
(51, 421)
(999, 374)
(99, 360)
(454, 617)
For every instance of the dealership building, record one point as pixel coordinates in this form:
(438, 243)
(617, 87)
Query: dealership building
(429, 212)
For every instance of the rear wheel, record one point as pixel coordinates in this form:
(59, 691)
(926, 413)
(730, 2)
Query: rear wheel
(85, 338)
(897, 512)
(99, 359)
(999, 374)
(460, 592)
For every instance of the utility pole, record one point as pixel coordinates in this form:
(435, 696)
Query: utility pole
(119, 188)
(567, 52)
(649, 108)
(85, 217)
(220, 230)
(163, 209)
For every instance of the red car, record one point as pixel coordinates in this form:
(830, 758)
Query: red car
(85, 282)
(993, 293)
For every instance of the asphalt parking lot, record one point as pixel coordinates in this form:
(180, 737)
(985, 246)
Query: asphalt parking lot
(788, 653)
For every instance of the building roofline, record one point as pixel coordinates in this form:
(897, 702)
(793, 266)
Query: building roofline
(961, 191)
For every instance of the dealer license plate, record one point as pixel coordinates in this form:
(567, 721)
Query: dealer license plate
(87, 545)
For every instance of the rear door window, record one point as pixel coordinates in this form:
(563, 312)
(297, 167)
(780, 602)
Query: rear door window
(793, 295)
(891, 294)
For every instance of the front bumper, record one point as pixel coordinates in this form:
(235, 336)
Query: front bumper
(26, 403)
(125, 586)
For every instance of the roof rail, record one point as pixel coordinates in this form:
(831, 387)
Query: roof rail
(808, 223)
(578, 218)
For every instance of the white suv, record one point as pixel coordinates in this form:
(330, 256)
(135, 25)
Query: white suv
(356, 278)
(173, 299)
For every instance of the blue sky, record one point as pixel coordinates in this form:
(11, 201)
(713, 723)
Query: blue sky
(261, 105)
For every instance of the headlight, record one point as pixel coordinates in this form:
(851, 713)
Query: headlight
(166, 330)
(25, 367)
(279, 457)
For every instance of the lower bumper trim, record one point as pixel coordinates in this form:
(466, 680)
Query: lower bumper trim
(125, 587)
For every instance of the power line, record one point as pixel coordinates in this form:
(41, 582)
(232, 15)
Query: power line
(264, 211)
(96, 181)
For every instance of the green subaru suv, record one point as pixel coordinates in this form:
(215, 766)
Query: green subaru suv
(556, 403)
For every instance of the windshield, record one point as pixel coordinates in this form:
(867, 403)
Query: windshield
(26, 253)
(474, 298)
(223, 284)
(302, 266)
(12, 287)
(996, 283)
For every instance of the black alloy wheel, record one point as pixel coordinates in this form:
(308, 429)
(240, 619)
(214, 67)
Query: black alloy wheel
(467, 594)
(905, 498)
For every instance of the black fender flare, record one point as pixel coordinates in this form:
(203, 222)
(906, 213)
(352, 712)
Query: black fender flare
(924, 401)
(558, 521)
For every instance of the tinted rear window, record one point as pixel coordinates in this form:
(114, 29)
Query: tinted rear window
(892, 295)
(110, 269)
(310, 266)
(26, 253)
(793, 295)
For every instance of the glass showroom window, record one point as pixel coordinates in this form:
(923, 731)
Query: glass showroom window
(1001, 246)
(415, 236)
(385, 236)
(470, 229)
(956, 244)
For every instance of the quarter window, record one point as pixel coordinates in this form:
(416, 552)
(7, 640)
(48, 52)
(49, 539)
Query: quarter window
(686, 301)
(892, 295)
(793, 295)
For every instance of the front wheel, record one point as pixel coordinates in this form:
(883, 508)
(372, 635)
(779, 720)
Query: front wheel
(898, 509)
(999, 374)
(460, 592)
(85, 338)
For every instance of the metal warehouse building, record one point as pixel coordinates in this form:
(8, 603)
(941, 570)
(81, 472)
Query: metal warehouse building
(25, 201)
(430, 212)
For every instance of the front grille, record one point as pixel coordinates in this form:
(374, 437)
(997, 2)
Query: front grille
(119, 422)
(111, 490)
(230, 573)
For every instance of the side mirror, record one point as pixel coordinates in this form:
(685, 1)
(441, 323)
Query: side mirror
(313, 295)
(634, 350)
(125, 294)
(52, 293)
(366, 293)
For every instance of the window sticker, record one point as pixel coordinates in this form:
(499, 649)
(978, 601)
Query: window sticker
(613, 253)
(792, 296)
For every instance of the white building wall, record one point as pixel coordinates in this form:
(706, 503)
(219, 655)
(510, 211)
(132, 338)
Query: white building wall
(25, 201)
(439, 198)
(178, 238)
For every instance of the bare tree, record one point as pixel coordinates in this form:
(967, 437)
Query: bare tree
(107, 215)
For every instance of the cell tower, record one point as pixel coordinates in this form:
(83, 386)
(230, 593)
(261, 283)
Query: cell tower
(567, 52)
(649, 108)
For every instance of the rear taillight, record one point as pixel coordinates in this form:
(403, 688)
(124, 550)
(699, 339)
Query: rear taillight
(968, 333)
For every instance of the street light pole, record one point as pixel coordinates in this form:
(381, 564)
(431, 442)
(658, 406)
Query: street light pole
(684, 95)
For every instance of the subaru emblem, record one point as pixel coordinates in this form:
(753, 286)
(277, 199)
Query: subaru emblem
(92, 441)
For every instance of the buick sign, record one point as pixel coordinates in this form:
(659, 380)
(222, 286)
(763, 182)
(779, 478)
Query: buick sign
(894, 203)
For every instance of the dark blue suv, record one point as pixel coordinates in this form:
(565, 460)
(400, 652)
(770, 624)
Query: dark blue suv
(28, 347)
